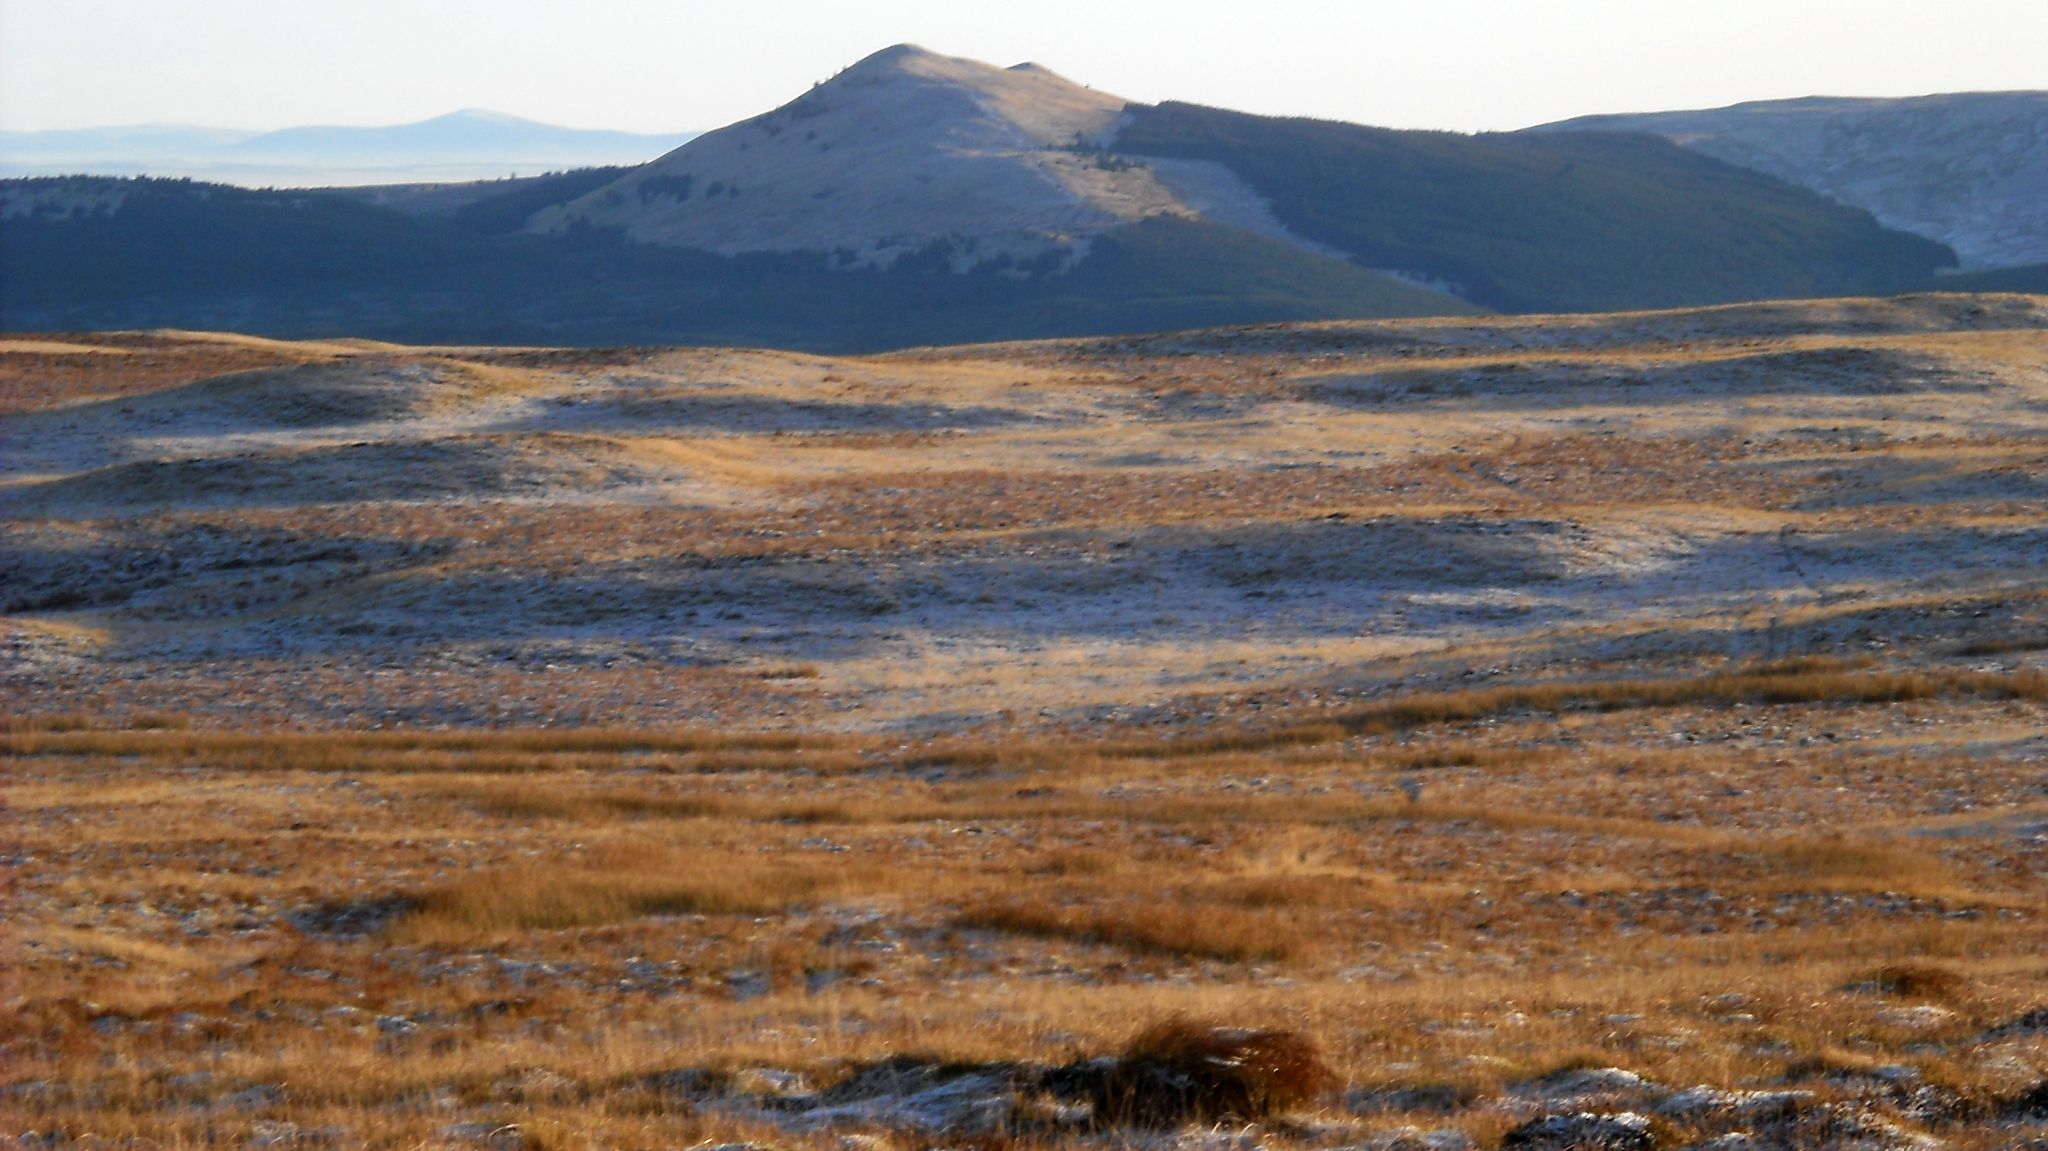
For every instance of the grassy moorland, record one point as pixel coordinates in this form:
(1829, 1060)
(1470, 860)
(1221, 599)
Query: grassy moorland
(635, 939)
(1484, 723)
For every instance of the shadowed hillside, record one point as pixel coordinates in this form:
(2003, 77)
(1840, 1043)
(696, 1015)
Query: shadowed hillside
(1544, 222)
(1969, 169)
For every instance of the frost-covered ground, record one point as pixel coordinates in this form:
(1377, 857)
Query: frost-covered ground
(1063, 531)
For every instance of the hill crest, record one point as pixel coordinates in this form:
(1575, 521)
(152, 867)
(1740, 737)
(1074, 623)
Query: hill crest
(903, 151)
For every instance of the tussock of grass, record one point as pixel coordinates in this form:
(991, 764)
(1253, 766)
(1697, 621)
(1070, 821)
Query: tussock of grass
(65, 722)
(525, 799)
(2003, 645)
(616, 886)
(1181, 1071)
(1284, 891)
(530, 801)
(1835, 859)
(123, 950)
(1075, 863)
(1164, 927)
(1911, 981)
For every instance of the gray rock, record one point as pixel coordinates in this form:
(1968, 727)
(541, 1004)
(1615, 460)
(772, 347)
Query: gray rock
(1415, 1139)
(473, 1131)
(1583, 1131)
(279, 1134)
(1701, 1101)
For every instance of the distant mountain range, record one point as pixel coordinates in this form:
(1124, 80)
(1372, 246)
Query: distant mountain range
(461, 146)
(918, 198)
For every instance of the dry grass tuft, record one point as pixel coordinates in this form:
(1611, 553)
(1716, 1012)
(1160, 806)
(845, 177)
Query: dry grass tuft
(1181, 1071)
(615, 886)
(1911, 981)
(1162, 927)
(55, 722)
(2003, 645)
(1837, 860)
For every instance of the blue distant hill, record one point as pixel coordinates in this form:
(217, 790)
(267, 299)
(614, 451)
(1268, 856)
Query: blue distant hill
(472, 144)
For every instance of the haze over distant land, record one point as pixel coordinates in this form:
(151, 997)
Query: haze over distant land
(653, 66)
(472, 144)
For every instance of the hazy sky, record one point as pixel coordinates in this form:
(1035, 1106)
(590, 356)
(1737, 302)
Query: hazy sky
(647, 65)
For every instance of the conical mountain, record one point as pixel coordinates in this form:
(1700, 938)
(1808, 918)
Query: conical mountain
(901, 151)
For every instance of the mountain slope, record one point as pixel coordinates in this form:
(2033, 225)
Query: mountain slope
(131, 254)
(903, 150)
(909, 152)
(1969, 169)
(1567, 222)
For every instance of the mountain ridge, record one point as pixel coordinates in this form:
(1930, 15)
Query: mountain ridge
(916, 198)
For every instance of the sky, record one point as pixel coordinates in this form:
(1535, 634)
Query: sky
(654, 66)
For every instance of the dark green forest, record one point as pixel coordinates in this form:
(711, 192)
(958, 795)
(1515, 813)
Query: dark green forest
(179, 254)
(1553, 222)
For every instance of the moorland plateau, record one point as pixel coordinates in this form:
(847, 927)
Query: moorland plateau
(1618, 730)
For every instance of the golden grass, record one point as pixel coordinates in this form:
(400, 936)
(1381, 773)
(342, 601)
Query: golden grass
(1830, 857)
(1171, 926)
(1803, 682)
(74, 735)
(1180, 1071)
(616, 885)
(1626, 848)
(126, 950)
(2004, 645)
(1806, 681)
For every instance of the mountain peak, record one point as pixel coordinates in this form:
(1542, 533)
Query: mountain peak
(903, 150)
(895, 56)
(1047, 107)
